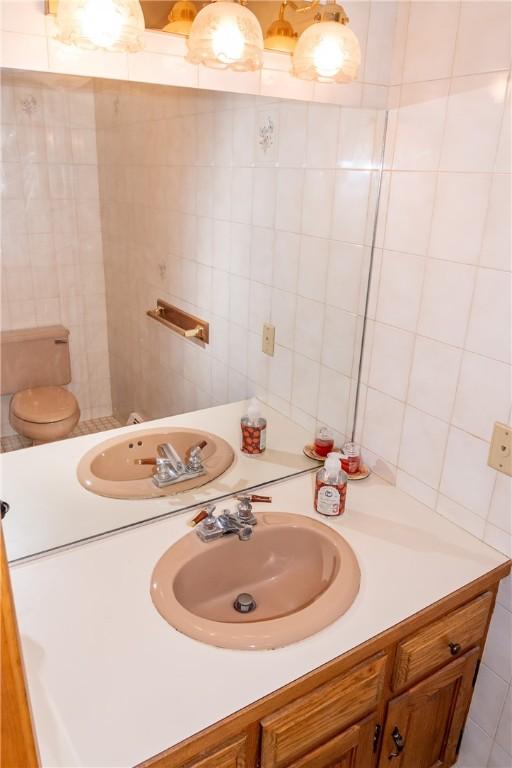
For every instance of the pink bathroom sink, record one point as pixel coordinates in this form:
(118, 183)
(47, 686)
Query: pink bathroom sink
(300, 573)
(110, 468)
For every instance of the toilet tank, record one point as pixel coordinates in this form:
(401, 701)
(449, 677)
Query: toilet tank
(34, 357)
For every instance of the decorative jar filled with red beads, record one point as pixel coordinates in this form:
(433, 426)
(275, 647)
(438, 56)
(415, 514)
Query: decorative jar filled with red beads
(254, 430)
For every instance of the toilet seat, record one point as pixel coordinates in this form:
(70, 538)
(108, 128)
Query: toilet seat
(44, 405)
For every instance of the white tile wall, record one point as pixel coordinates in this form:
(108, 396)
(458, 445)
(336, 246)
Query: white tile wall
(438, 368)
(288, 246)
(52, 258)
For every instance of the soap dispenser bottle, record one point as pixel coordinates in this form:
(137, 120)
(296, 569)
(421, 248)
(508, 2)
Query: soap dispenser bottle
(254, 430)
(331, 487)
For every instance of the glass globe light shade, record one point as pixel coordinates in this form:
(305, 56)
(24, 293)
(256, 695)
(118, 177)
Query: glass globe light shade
(115, 25)
(281, 36)
(225, 35)
(181, 18)
(328, 52)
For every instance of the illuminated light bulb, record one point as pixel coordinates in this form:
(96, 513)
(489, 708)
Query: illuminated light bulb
(102, 22)
(114, 25)
(228, 42)
(226, 35)
(328, 58)
(328, 51)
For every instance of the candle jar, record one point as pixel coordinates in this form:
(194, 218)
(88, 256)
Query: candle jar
(324, 441)
(351, 458)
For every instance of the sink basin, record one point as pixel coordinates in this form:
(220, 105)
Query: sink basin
(109, 468)
(302, 574)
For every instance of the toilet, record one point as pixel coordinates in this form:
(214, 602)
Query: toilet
(35, 366)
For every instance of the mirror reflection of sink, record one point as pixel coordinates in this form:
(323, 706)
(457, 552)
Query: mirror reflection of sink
(301, 574)
(110, 468)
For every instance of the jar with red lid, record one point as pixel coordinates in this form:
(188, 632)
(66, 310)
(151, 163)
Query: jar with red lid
(324, 441)
(351, 458)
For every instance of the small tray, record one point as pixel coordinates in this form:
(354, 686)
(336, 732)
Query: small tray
(364, 471)
(309, 451)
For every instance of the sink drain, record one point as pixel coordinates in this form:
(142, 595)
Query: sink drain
(244, 603)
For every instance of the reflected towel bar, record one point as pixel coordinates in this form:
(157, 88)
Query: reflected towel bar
(187, 325)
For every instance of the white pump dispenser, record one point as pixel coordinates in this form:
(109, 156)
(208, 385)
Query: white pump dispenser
(332, 466)
(253, 412)
(331, 487)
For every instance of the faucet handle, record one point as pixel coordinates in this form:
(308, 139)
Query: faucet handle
(244, 511)
(194, 456)
(210, 521)
(244, 504)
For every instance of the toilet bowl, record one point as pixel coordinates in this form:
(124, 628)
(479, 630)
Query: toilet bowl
(44, 414)
(35, 367)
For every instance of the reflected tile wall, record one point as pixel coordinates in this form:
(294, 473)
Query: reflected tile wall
(242, 210)
(52, 257)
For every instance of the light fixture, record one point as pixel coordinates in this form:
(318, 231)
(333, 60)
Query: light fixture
(280, 35)
(181, 17)
(226, 35)
(328, 51)
(114, 25)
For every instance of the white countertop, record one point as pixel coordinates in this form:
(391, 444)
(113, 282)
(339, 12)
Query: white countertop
(111, 683)
(49, 507)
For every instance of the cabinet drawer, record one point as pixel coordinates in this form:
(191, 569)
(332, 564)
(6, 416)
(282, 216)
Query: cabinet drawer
(351, 749)
(229, 754)
(301, 726)
(441, 641)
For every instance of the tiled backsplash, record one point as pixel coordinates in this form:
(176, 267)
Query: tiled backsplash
(52, 260)
(437, 363)
(241, 210)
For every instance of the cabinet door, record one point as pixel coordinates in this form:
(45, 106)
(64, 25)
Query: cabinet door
(311, 720)
(354, 748)
(423, 726)
(230, 754)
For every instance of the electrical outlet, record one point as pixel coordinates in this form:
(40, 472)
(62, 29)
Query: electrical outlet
(268, 340)
(500, 452)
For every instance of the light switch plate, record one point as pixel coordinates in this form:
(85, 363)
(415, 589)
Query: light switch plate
(268, 340)
(500, 452)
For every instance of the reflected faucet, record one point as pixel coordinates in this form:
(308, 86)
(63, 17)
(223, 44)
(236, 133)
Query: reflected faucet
(170, 467)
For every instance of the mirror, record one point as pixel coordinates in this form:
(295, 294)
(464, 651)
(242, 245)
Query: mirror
(239, 210)
(297, 16)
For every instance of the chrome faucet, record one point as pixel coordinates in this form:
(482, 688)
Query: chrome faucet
(240, 522)
(171, 469)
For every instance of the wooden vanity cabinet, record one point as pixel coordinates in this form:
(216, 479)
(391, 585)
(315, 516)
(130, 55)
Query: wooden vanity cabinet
(400, 699)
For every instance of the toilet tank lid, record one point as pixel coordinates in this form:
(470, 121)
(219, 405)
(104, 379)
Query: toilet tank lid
(24, 334)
